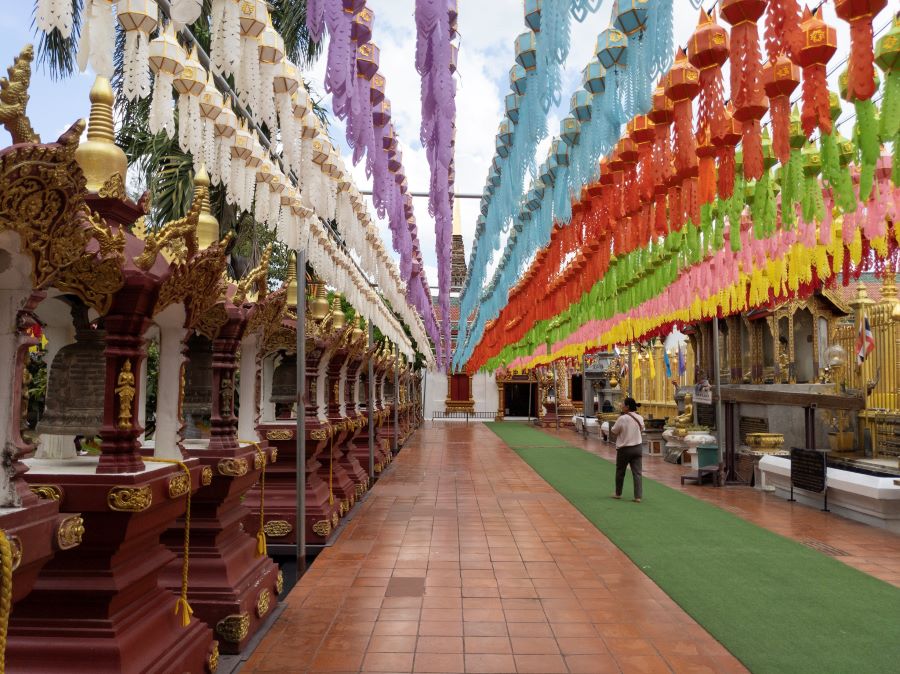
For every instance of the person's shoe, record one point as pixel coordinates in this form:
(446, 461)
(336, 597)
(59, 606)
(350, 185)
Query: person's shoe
(637, 500)
(616, 496)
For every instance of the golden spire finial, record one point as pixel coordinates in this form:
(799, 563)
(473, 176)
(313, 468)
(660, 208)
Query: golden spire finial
(292, 280)
(99, 157)
(207, 225)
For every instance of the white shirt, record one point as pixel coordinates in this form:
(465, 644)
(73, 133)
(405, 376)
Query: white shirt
(627, 430)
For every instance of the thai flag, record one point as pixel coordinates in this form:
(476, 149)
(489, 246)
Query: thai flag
(865, 342)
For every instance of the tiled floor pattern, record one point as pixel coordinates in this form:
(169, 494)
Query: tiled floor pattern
(462, 559)
(869, 549)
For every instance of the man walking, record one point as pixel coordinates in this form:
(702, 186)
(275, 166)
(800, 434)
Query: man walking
(629, 447)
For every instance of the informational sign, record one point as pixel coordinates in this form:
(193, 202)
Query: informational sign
(808, 469)
(703, 393)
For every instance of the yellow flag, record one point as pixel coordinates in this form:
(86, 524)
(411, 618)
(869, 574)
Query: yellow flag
(637, 366)
(652, 366)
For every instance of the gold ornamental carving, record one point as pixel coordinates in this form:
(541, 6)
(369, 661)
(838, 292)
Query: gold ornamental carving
(179, 485)
(267, 313)
(70, 532)
(273, 455)
(49, 492)
(259, 460)
(212, 321)
(233, 467)
(280, 434)
(279, 582)
(263, 602)
(129, 499)
(15, 546)
(234, 628)
(14, 99)
(42, 200)
(322, 528)
(113, 188)
(360, 490)
(334, 520)
(212, 660)
(254, 280)
(277, 528)
(206, 476)
(176, 240)
(198, 283)
(319, 434)
(125, 390)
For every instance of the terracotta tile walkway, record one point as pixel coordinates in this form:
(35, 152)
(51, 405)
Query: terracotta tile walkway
(462, 559)
(869, 549)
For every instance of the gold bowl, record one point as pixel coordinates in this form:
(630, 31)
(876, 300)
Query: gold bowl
(765, 442)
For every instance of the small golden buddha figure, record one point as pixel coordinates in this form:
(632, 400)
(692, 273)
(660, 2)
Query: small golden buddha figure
(686, 419)
(125, 391)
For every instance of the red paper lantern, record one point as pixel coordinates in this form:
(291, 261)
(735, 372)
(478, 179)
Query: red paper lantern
(661, 116)
(682, 86)
(861, 68)
(725, 144)
(819, 45)
(783, 34)
(781, 76)
(746, 88)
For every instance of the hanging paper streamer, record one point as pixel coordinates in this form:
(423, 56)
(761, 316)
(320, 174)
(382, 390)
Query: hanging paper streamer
(887, 57)
(138, 19)
(53, 15)
(166, 61)
(98, 38)
(253, 20)
(225, 36)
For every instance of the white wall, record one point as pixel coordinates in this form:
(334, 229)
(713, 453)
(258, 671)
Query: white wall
(484, 391)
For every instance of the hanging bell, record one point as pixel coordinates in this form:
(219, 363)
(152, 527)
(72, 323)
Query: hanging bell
(284, 382)
(197, 402)
(76, 382)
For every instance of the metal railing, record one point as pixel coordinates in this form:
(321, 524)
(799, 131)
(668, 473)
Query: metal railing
(462, 415)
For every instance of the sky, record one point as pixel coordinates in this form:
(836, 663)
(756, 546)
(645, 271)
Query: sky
(487, 31)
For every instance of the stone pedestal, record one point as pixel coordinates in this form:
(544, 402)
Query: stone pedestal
(232, 587)
(99, 607)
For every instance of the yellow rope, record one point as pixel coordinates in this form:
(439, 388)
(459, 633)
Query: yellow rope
(6, 564)
(261, 550)
(182, 602)
(331, 469)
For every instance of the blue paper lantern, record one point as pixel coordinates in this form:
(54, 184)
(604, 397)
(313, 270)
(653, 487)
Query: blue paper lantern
(581, 105)
(631, 15)
(533, 199)
(546, 175)
(501, 147)
(593, 77)
(570, 130)
(611, 48)
(526, 50)
(512, 107)
(506, 132)
(559, 152)
(533, 15)
(518, 81)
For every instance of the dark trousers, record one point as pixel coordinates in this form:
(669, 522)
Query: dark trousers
(629, 456)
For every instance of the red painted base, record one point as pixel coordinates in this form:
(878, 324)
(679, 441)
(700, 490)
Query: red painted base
(280, 503)
(232, 588)
(99, 607)
(35, 532)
